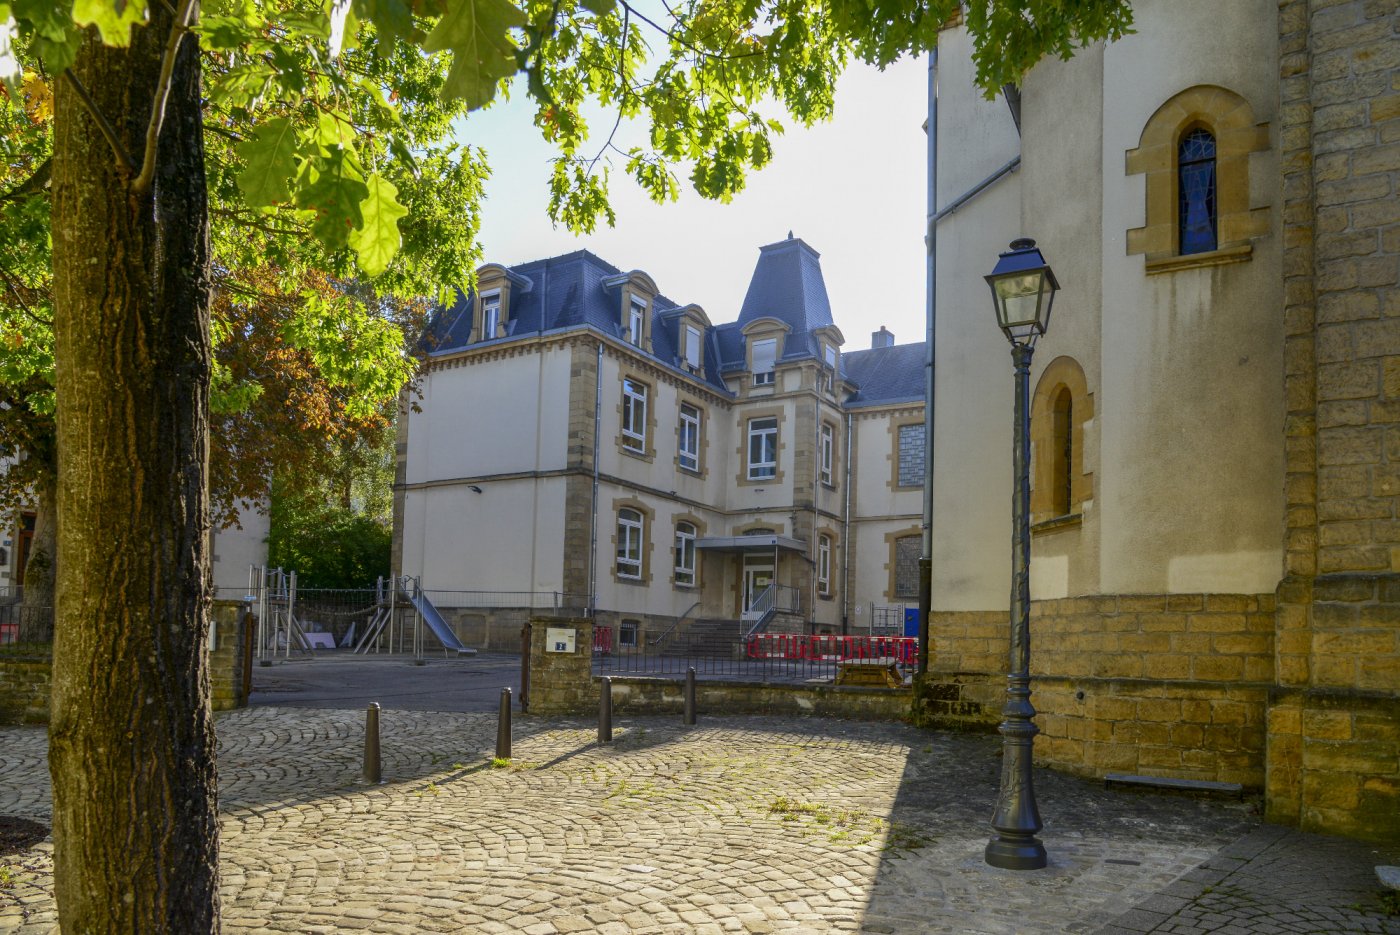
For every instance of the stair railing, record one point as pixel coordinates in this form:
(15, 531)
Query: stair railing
(657, 641)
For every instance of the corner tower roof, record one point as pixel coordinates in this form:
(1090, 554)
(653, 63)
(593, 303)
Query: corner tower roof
(787, 284)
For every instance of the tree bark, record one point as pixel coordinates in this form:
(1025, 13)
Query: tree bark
(131, 736)
(39, 568)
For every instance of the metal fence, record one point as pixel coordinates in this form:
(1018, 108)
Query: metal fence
(764, 657)
(25, 628)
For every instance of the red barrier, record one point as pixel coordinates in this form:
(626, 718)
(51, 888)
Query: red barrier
(901, 649)
(9, 633)
(602, 639)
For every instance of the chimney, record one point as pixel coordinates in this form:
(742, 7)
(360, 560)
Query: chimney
(881, 338)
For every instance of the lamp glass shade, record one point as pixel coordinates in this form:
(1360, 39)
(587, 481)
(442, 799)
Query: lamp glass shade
(1023, 288)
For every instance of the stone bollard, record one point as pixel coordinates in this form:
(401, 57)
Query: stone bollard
(605, 711)
(371, 771)
(690, 697)
(503, 727)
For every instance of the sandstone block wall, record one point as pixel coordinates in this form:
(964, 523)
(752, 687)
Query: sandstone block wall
(635, 695)
(24, 691)
(1333, 757)
(228, 659)
(561, 683)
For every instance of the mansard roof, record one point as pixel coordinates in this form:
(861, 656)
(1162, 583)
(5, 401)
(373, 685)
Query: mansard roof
(582, 290)
(885, 375)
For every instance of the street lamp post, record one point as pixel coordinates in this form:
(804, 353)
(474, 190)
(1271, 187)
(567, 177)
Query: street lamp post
(1023, 287)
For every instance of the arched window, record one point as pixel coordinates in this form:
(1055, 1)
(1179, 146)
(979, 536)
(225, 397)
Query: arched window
(1194, 155)
(629, 543)
(685, 554)
(1062, 451)
(1060, 409)
(1197, 216)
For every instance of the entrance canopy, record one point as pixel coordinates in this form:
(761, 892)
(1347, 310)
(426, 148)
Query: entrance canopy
(743, 544)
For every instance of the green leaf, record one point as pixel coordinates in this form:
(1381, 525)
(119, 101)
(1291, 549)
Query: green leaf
(599, 7)
(113, 18)
(392, 18)
(335, 191)
(56, 38)
(378, 239)
(269, 160)
(478, 33)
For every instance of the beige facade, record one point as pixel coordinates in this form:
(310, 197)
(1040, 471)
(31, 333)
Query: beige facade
(1212, 506)
(574, 461)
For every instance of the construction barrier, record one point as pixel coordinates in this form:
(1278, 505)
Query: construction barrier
(901, 649)
(602, 639)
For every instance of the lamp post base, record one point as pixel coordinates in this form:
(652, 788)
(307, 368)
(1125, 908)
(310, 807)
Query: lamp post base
(1016, 854)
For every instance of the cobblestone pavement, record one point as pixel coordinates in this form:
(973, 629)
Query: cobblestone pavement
(738, 825)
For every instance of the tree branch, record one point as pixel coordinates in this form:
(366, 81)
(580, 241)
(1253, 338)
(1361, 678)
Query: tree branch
(24, 306)
(181, 26)
(124, 160)
(33, 185)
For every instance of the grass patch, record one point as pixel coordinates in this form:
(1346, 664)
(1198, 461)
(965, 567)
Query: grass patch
(1390, 902)
(851, 826)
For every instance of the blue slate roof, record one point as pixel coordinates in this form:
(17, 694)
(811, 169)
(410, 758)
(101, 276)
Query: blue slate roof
(571, 291)
(885, 374)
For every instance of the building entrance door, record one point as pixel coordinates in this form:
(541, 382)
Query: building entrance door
(758, 575)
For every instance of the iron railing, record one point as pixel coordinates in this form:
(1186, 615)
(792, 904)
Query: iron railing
(25, 629)
(765, 657)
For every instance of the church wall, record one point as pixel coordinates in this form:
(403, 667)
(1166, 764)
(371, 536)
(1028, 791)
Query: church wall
(1190, 400)
(1333, 759)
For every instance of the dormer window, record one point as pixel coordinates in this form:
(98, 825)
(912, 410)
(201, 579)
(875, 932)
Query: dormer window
(490, 315)
(764, 355)
(831, 356)
(693, 349)
(636, 322)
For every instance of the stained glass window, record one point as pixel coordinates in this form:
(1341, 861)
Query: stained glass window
(1196, 182)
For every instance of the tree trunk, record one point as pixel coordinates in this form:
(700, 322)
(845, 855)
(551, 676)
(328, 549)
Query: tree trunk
(39, 568)
(131, 736)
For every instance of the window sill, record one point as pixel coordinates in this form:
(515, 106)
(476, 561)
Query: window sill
(640, 455)
(1236, 254)
(682, 586)
(623, 579)
(1059, 522)
(692, 471)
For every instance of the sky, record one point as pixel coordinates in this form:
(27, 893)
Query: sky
(854, 189)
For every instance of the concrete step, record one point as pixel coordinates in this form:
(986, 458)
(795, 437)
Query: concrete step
(1167, 783)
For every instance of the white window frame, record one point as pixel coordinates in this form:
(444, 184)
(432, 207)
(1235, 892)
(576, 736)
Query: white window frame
(630, 538)
(763, 377)
(490, 315)
(828, 447)
(634, 415)
(831, 356)
(761, 468)
(824, 565)
(636, 322)
(694, 354)
(685, 554)
(688, 456)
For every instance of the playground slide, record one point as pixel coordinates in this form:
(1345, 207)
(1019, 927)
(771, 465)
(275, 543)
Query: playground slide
(438, 625)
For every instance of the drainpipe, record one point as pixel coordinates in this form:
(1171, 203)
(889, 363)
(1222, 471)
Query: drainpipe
(931, 309)
(593, 518)
(846, 540)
